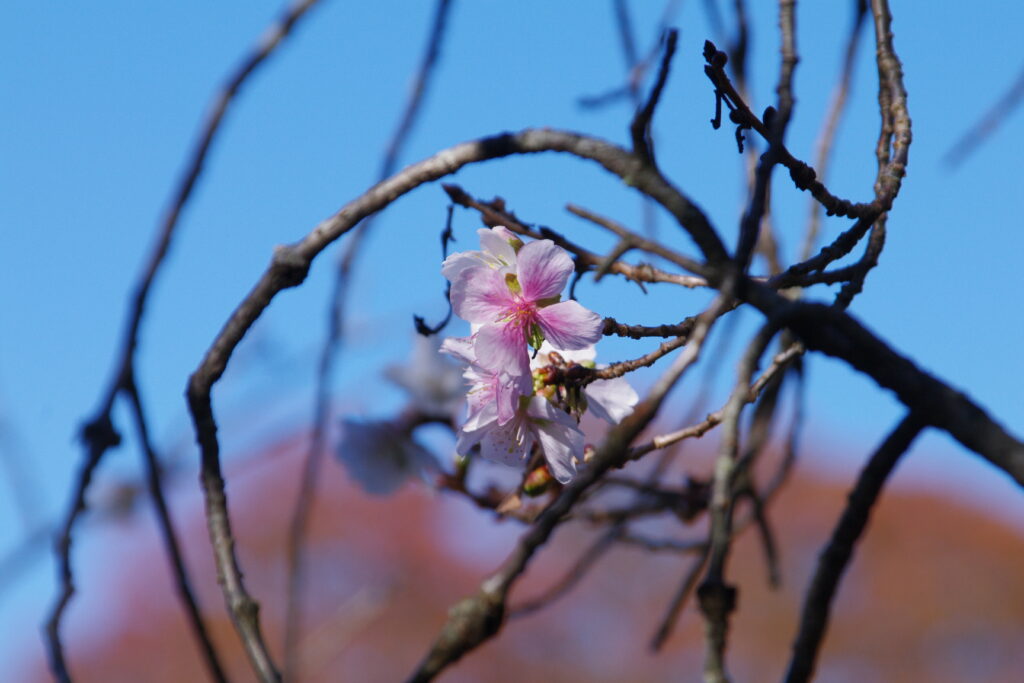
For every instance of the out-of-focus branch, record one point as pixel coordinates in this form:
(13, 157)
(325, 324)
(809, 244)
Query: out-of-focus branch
(630, 238)
(579, 569)
(718, 598)
(640, 128)
(804, 177)
(332, 343)
(99, 433)
(988, 123)
(637, 68)
(678, 601)
(837, 553)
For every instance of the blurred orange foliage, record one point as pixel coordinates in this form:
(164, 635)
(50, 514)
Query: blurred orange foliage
(934, 592)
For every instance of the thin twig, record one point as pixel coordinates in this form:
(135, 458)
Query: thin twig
(495, 213)
(718, 598)
(99, 433)
(839, 549)
(154, 481)
(988, 124)
(640, 128)
(678, 601)
(634, 240)
(586, 561)
(779, 363)
(830, 127)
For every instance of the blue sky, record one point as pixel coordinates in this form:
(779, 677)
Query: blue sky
(102, 100)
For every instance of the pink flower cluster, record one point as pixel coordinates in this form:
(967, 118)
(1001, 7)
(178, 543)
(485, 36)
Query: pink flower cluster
(511, 293)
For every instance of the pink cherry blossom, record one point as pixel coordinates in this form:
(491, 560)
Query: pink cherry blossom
(499, 246)
(535, 421)
(518, 304)
(493, 394)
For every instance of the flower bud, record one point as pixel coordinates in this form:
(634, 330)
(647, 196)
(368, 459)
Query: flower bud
(538, 481)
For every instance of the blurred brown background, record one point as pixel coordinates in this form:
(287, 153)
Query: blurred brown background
(934, 593)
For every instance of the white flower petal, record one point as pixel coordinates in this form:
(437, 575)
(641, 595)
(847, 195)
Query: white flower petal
(611, 399)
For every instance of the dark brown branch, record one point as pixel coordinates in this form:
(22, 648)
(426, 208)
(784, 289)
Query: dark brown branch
(678, 601)
(837, 553)
(99, 433)
(332, 342)
(579, 569)
(289, 267)
(621, 368)
(614, 327)
(830, 127)
(640, 128)
(495, 213)
(835, 333)
(154, 481)
(892, 151)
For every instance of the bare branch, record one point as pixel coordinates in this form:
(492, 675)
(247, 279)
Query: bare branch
(988, 123)
(837, 553)
(678, 601)
(99, 433)
(495, 213)
(288, 268)
(830, 127)
(779, 363)
(717, 598)
(154, 481)
(823, 328)
(579, 569)
(640, 128)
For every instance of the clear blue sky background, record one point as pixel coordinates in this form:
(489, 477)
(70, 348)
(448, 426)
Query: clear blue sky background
(100, 102)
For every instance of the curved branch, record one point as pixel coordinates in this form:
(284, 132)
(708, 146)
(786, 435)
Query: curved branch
(289, 267)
